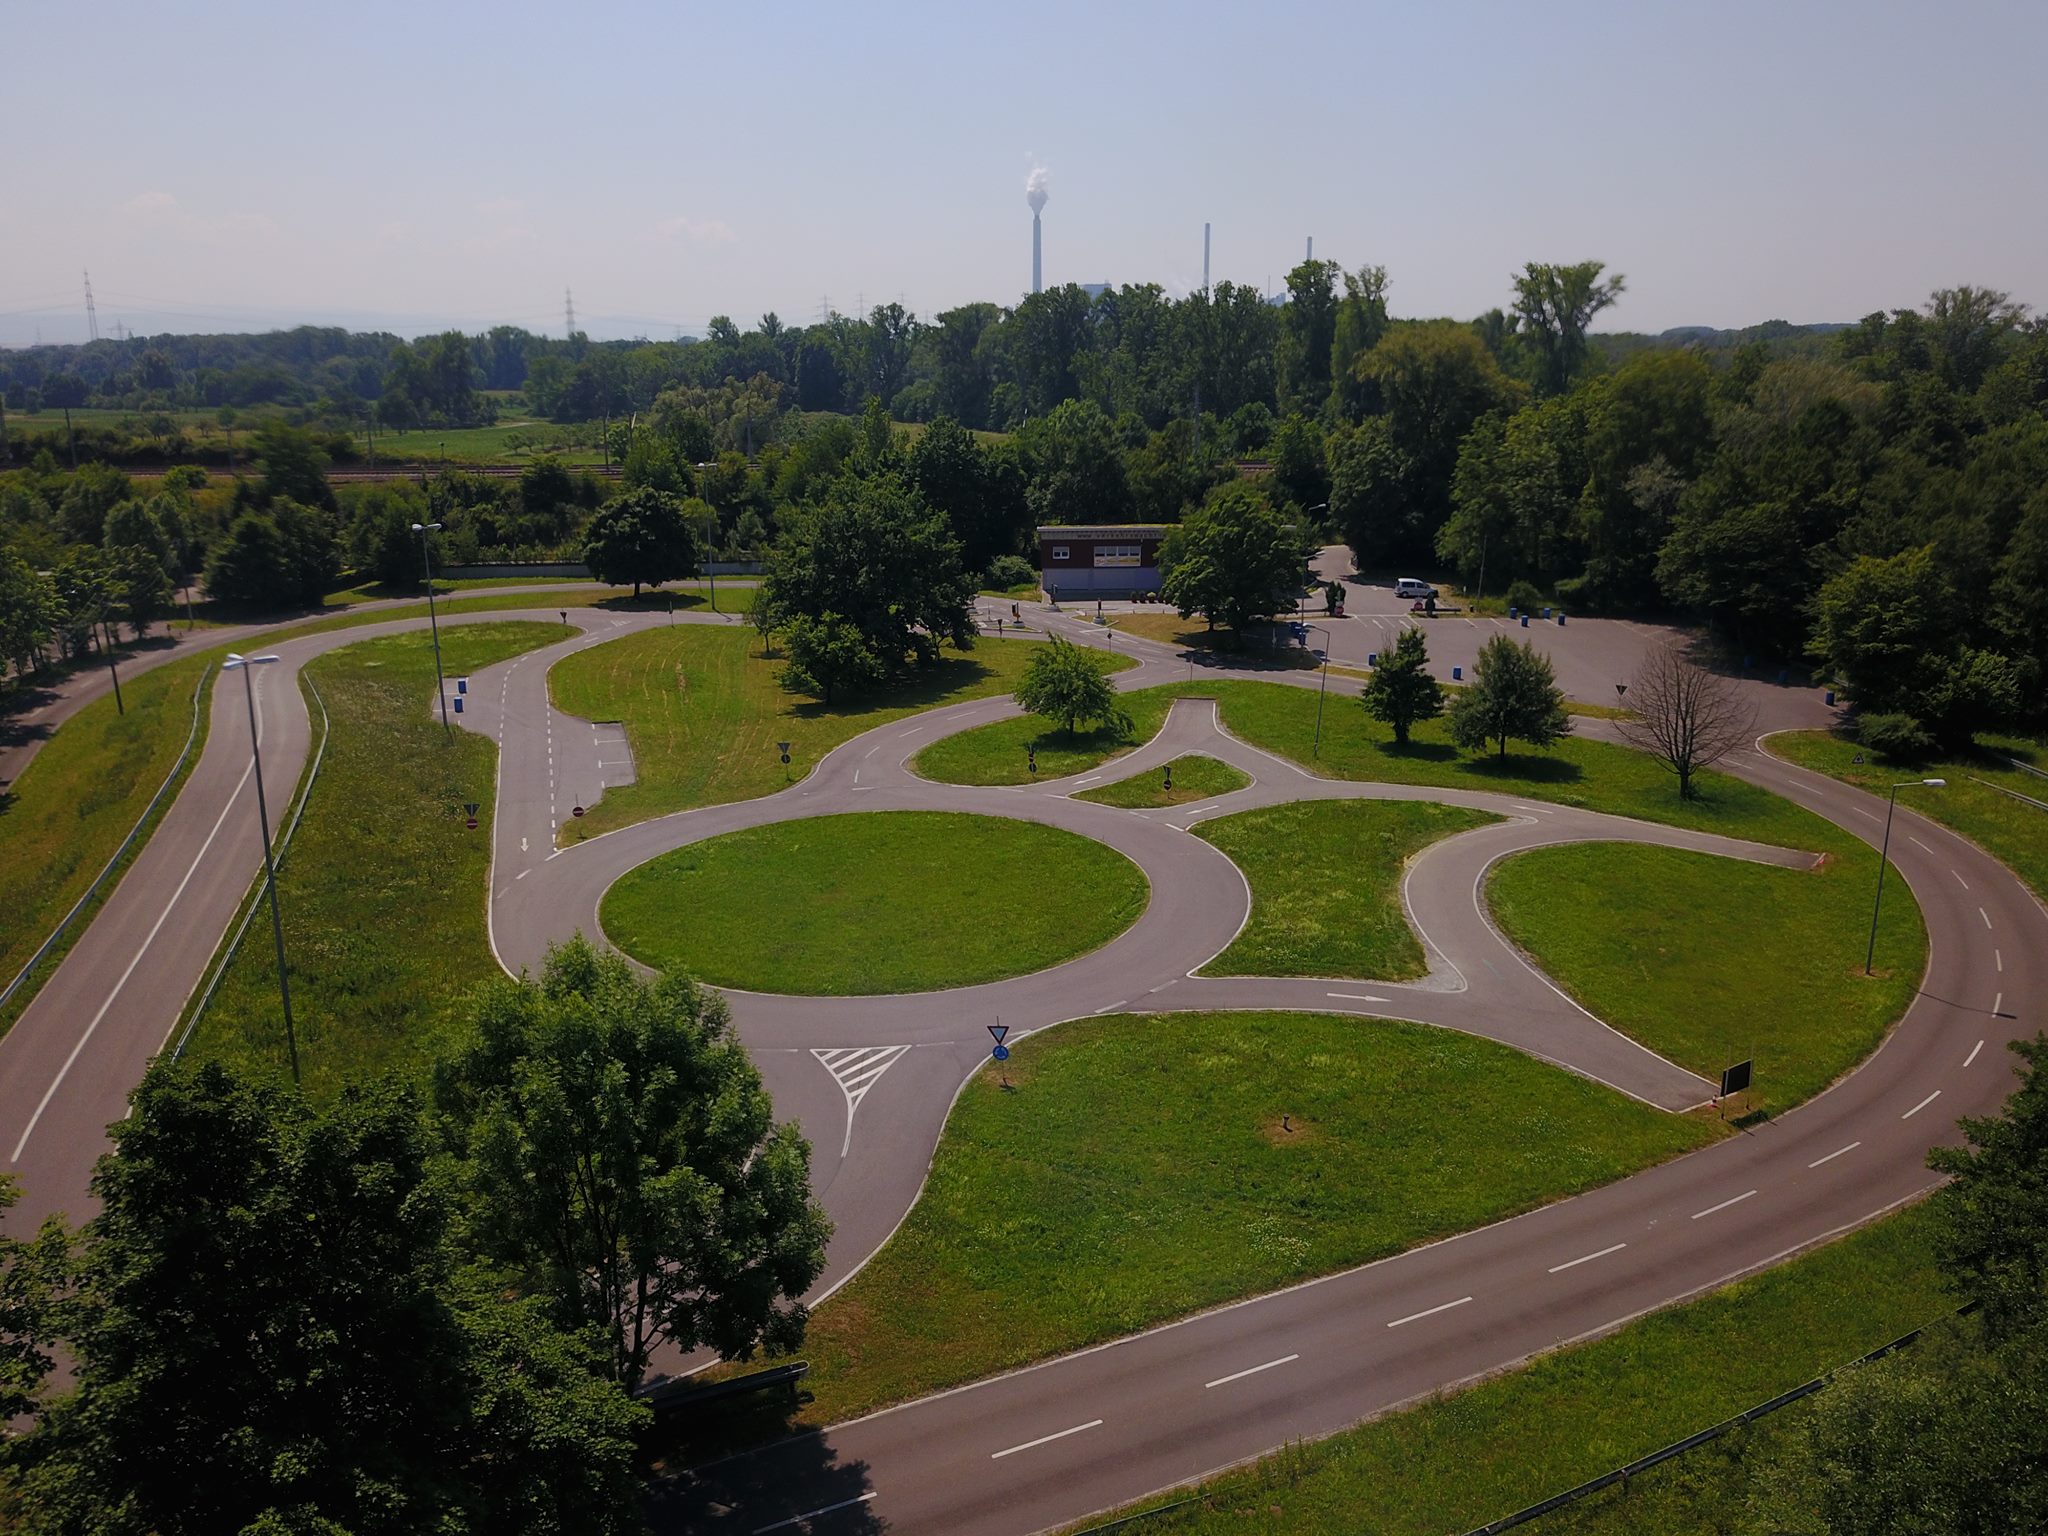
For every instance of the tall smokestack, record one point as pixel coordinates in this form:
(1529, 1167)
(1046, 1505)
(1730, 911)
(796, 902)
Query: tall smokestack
(1037, 187)
(1205, 256)
(1311, 249)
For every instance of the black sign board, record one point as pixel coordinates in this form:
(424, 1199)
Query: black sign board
(1736, 1078)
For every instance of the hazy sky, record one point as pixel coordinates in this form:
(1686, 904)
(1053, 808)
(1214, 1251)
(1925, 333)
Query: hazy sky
(238, 165)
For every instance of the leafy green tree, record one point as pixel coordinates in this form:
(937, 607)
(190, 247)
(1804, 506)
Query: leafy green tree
(294, 466)
(269, 1335)
(1361, 324)
(133, 524)
(1235, 559)
(380, 537)
(1076, 467)
(1513, 696)
(1301, 478)
(617, 1150)
(979, 491)
(829, 657)
(874, 556)
(641, 537)
(89, 497)
(1066, 684)
(1308, 331)
(1994, 1210)
(141, 590)
(1556, 305)
(1401, 691)
(35, 1279)
(28, 612)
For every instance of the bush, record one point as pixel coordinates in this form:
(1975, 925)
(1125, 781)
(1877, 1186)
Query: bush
(1007, 571)
(1898, 737)
(1525, 597)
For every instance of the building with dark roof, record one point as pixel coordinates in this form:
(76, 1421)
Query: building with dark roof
(1085, 560)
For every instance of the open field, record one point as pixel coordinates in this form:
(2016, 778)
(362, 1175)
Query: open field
(1972, 804)
(383, 892)
(1473, 1456)
(1196, 776)
(704, 711)
(998, 753)
(1326, 885)
(1138, 1171)
(514, 441)
(1710, 961)
(894, 901)
(79, 796)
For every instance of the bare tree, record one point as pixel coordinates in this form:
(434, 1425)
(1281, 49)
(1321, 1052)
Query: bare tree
(1685, 715)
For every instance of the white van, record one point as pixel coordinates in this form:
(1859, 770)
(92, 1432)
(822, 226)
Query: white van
(1408, 586)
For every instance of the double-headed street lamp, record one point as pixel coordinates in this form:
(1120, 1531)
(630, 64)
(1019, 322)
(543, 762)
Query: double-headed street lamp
(1884, 854)
(427, 565)
(242, 664)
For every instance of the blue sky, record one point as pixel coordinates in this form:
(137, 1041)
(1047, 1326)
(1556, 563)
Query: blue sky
(236, 165)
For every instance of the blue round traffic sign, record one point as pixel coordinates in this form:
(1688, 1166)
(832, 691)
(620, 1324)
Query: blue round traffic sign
(1002, 1053)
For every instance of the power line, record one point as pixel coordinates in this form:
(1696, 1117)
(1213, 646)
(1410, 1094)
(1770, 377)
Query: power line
(569, 315)
(92, 320)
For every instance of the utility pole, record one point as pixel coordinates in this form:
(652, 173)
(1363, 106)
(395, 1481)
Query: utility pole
(284, 987)
(92, 319)
(427, 565)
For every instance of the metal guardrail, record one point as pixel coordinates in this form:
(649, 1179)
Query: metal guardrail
(57, 933)
(250, 902)
(2028, 768)
(1641, 1464)
(1123, 1522)
(674, 1398)
(2024, 799)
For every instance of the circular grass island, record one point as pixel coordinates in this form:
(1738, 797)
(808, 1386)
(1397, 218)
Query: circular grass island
(882, 901)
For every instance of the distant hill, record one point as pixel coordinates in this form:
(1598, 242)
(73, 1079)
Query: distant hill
(1783, 338)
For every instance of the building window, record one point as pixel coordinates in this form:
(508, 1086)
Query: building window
(1116, 554)
(1058, 552)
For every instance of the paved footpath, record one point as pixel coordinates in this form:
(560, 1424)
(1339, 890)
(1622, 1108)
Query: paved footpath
(871, 1079)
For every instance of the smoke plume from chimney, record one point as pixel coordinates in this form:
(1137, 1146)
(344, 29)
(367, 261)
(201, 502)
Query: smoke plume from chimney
(1037, 186)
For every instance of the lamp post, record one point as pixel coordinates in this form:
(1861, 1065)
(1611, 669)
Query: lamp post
(433, 619)
(1884, 854)
(1323, 692)
(242, 664)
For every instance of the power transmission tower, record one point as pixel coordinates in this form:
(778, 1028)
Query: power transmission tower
(92, 319)
(568, 315)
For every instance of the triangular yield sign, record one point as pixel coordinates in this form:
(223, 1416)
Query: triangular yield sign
(999, 1030)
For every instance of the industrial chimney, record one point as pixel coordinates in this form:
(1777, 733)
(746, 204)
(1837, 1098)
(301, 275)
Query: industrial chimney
(1035, 193)
(1205, 256)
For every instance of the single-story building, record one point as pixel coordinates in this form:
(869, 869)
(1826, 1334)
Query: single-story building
(1088, 560)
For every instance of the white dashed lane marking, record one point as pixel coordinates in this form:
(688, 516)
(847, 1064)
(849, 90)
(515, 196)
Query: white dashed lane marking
(1416, 1317)
(1840, 1150)
(1224, 1381)
(1586, 1258)
(1909, 1114)
(1045, 1440)
(1710, 1210)
(1973, 1053)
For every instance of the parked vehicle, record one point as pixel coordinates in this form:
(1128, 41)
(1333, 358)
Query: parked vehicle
(1408, 586)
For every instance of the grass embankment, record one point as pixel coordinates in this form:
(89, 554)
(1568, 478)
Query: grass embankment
(1138, 1171)
(895, 901)
(1326, 885)
(2009, 830)
(79, 796)
(1476, 1455)
(384, 889)
(999, 753)
(703, 710)
(1196, 776)
(1709, 960)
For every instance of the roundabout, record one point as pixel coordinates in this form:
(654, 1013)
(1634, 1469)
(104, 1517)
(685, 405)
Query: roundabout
(872, 1078)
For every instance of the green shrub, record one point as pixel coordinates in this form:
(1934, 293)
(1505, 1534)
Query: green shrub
(1524, 597)
(1898, 737)
(1007, 571)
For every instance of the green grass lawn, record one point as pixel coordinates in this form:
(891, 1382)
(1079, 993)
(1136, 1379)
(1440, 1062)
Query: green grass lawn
(1462, 1460)
(896, 901)
(1137, 1171)
(997, 753)
(2008, 829)
(1326, 885)
(1196, 776)
(79, 796)
(384, 888)
(703, 711)
(1710, 961)
(515, 441)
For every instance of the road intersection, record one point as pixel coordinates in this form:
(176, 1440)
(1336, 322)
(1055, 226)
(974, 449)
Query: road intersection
(872, 1078)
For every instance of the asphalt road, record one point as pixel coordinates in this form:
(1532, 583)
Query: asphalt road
(871, 1079)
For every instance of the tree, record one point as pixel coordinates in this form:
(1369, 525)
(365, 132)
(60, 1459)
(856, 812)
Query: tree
(978, 490)
(247, 568)
(1685, 716)
(829, 657)
(1076, 467)
(641, 537)
(1556, 304)
(294, 466)
(1513, 695)
(1994, 1211)
(1062, 682)
(270, 1335)
(35, 1277)
(617, 1149)
(1308, 331)
(1235, 559)
(1401, 691)
(141, 591)
(28, 612)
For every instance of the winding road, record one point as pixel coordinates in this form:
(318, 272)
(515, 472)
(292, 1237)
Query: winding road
(871, 1080)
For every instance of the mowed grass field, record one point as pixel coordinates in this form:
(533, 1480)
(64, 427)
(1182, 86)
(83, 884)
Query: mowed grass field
(1326, 885)
(383, 890)
(1460, 1461)
(704, 709)
(1974, 802)
(79, 797)
(1137, 1170)
(1711, 961)
(1000, 753)
(892, 901)
(1196, 776)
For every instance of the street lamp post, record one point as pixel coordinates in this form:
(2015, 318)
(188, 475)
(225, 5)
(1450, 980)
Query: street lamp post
(434, 620)
(1323, 692)
(242, 664)
(1884, 854)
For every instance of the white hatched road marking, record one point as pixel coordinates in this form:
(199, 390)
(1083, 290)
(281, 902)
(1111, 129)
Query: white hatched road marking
(856, 1069)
